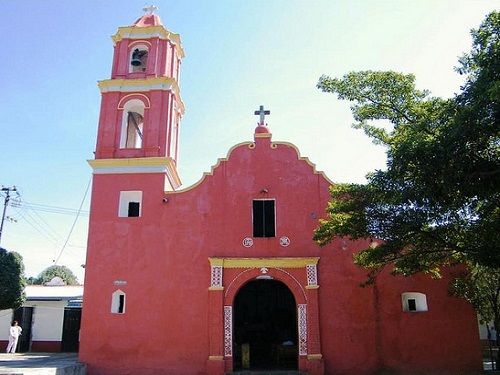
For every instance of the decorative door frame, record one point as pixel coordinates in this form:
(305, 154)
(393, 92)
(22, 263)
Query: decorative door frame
(228, 275)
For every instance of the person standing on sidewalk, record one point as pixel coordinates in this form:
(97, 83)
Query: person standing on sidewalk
(14, 333)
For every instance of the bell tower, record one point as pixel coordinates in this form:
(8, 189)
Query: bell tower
(141, 106)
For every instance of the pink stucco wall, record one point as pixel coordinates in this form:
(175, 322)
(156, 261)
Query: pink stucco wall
(163, 257)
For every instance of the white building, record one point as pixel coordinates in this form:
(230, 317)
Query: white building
(50, 319)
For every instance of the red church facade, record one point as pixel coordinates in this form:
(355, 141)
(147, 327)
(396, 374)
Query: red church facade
(224, 276)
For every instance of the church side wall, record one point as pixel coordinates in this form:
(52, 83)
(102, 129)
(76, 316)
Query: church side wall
(443, 340)
(347, 314)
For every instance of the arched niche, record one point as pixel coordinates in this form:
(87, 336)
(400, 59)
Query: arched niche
(132, 126)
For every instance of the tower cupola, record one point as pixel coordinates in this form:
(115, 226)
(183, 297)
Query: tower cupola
(141, 106)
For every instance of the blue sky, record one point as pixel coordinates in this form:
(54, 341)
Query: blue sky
(239, 54)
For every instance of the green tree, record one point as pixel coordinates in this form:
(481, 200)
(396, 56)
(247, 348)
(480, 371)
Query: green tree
(11, 280)
(480, 285)
(60, 271)
(31, 280)
(438, 201)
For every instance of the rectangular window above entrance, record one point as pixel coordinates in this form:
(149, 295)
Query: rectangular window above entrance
(264, 218)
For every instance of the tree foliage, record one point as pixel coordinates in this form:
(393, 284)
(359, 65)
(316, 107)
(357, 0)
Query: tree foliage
(438, 201)
(480, 285)
(11, 280)
(60, 271)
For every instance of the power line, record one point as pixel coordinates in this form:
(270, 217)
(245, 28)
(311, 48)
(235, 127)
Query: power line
(54, 209)
(29, 213)
(36, 226)
(74, 222)
(41, 224)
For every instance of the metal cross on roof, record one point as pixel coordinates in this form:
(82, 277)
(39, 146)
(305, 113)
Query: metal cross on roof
(150, 9)
(262, 113)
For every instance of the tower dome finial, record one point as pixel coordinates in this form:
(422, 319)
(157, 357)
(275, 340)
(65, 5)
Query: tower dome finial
(150, 9)
(149, 18)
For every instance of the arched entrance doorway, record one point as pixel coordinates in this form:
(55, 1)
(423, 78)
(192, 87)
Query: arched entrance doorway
(265, 326)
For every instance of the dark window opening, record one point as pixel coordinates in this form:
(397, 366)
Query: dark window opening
(133, 209)
(121, 303)
(263, 218)
(139, 60)
(412, 304)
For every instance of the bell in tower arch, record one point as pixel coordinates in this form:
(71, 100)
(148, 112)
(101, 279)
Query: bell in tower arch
(139, 58)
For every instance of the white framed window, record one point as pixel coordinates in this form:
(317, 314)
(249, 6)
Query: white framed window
(118, 302)
(132, 124)
(414, 302)
(130, 204)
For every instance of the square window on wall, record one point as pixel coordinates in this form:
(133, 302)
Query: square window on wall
(414, 302)
(130, 204)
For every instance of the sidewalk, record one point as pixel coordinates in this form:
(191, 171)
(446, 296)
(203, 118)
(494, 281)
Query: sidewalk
(41, 364)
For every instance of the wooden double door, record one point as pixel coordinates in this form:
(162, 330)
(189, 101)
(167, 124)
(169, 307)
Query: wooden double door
(265, 327)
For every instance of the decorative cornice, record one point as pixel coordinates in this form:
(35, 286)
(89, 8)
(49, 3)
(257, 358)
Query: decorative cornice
(275, 145)
(127, 162)
(263, 262)
(250, 145)
(142, 85)
(133, 32)
(136, 165)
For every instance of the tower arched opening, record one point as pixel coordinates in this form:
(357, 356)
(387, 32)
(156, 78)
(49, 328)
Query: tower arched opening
(132, 124)
(138, 58)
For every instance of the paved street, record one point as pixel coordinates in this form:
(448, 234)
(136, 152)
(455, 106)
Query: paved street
(41, 364)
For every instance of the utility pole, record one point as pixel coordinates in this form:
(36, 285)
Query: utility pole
(7, 191)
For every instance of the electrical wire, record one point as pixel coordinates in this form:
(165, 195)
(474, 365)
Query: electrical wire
(74, 222)
(23, 214)
(28, 213)
(54, 209)
(42, 225)
(47, 225)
